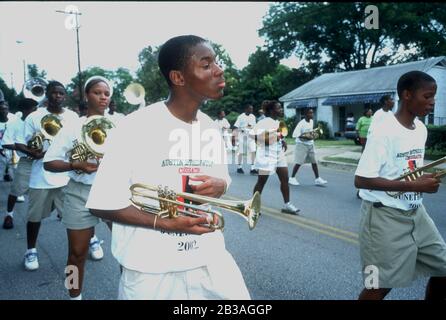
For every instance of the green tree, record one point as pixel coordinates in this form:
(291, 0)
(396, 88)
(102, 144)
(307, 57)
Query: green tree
(10, 96)
(150, 77)
(33, 71)
(332, 36)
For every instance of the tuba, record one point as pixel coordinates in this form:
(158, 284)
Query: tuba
(93, 134)
(35, 88)
(415, 174)
(170, 207)
(50, 126)
(312, 135)
(134, 94)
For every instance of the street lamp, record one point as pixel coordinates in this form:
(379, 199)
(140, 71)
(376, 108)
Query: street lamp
(77, 27)
(24, 64)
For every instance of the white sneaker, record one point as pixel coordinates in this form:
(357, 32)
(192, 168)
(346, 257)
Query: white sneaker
(293, 181)
(290, 208)
(31, 261)
(96, 251)
(20, 199)
(319, 181)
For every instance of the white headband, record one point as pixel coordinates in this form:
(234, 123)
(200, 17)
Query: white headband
(108, 82)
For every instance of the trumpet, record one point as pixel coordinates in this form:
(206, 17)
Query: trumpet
(50, 126)
(417, 173)
(170, 207)
(94, 133)
(312, 135)
(283, 129)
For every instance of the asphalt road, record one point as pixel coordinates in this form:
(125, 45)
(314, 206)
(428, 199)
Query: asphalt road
(312, 256)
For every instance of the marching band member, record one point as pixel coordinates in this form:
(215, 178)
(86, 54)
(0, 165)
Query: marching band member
(112, 114)
(45, 188)
(304, 149)
(6, 118)
(270, 155)
(398, 240)
(224, 126)
(76, 217)
(20, 185)
(246, 145)
(176, 258)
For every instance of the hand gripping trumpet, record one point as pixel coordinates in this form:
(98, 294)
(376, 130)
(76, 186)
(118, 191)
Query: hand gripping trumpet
(170, 207)
(415, 174)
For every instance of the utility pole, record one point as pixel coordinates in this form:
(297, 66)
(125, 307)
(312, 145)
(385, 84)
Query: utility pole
(77, 27)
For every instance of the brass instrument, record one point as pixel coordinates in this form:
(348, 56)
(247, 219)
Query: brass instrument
(312, 135)
(283, 129)
(94, 133)
(134, 94)
(35, 88)
(170, 207)
(50, 126)
(415, 174)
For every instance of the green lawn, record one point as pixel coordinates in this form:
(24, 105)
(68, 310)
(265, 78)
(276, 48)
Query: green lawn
(325, 143)
(341, 159)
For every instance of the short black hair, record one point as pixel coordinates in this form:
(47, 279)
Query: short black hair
(307, 110)
(53, 84)
(268, 106)
(27, 104)
(384, 98)
(412, 81)
(174, 54)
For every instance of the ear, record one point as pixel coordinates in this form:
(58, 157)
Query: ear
(406, 95)
(176, 77)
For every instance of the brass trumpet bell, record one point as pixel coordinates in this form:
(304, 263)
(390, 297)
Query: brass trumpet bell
(94, 134)
(283, 130)
(169, 207)
(50, 126)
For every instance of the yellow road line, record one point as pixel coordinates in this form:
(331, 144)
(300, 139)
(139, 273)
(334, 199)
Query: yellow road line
(316, 226)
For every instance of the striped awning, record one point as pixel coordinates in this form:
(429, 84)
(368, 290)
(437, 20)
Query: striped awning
(353, 99)
(305, 103)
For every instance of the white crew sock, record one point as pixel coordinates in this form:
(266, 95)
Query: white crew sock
(11, 214)
(252, 167)
(31, 250)
(79, 297)
(239, 166)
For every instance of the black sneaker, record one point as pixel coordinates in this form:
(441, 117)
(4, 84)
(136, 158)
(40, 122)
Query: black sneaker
(7, 178)
(240, 170)
(254, 171)
(8, 223)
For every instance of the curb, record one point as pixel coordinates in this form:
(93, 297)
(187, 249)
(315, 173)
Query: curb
(338, 165)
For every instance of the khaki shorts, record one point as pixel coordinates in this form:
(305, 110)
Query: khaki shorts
(20, 185)
(221, 280)
(75, 215)
(246, 144)
(43, 201)
(400, 244)
(304, 153)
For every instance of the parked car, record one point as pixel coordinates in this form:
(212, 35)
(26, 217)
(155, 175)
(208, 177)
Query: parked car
(350, 132)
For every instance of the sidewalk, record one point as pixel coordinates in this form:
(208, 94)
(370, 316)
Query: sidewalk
(340, 157)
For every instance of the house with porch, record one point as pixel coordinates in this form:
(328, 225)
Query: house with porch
(334, 95)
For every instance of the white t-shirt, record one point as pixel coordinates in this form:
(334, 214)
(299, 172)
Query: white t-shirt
(391, 151)
(302, 127)
(40, 178)
(115, 117)
(64, 143)
(267, 155)
(224, 125)
(378, 117)
(12, 133)
(244, 122)
(153, 147)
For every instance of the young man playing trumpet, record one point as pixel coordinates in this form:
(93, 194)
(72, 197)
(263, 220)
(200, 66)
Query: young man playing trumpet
(66, 155)
(398, 240)
(45, 188)
(304, 149)
(162, 258)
